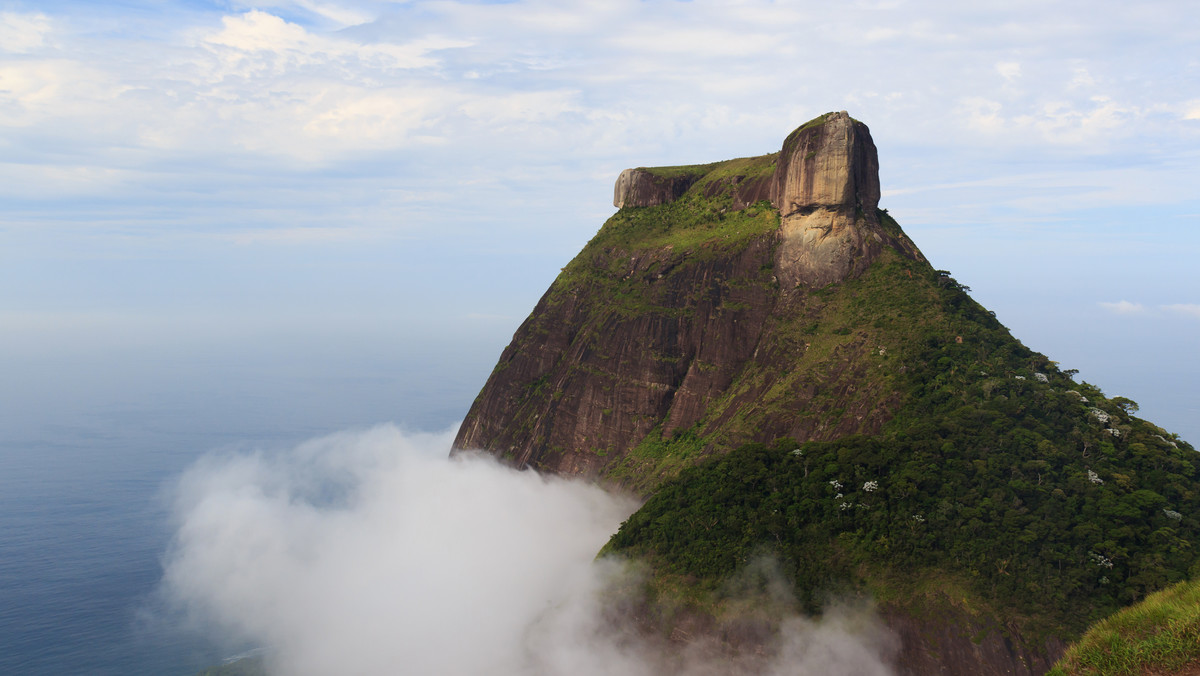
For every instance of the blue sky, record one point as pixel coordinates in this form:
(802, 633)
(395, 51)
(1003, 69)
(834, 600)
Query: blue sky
(349, 181)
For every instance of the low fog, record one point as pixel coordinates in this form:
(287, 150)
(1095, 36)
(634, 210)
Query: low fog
(372, 553)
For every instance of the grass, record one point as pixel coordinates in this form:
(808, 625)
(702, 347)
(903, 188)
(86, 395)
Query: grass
(640, 244)
(1160, 635)
(655, 459)
(696, 170)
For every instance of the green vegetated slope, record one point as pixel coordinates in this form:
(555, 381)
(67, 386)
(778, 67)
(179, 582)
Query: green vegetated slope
(1160, 635)
(703, 224)
(1038, 497)
(829, 361)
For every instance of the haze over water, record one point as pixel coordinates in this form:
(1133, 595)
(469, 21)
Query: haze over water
(91, 441)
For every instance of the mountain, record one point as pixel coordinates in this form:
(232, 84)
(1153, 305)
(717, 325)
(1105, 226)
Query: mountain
(760, 351)
(699, 318)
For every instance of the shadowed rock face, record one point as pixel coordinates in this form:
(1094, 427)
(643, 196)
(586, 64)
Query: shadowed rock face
(642, 188)
(579, 386)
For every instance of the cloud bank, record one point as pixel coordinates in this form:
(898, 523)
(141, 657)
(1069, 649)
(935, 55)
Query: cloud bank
(371, 553)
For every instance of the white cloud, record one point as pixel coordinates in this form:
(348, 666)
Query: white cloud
(983, 115)
(1058, 122)
(31, 92)
(256, 35)
(23, 33)
(339, 14)
(1186, 309)
(1063, 122)
(1124, 307)
(1082, 77)
(372, 553)
(1009, 70)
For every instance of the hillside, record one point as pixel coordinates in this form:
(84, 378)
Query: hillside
(1160, 635)
(761, 350)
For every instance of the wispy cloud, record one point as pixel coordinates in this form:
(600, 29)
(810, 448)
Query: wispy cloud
(1009, 70)
(21, 33)
(1124, 307)
(1185, 309)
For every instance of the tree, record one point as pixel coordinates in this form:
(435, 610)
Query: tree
(1128, 405)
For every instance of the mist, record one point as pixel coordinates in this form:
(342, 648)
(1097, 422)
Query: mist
(371, 552)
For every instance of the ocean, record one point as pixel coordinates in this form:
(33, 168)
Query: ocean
(89, 449)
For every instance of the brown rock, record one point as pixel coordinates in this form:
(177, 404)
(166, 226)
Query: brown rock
(642, 188)
(830, 162)
(952, 641)
(826, 187)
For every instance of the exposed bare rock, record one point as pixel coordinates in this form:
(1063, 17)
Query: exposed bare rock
(579, 386)
(744, 190)
(826, 187)
(949, 641)
(830, 162)
(643, 188)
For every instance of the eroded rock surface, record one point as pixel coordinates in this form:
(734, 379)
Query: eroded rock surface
(642, 188)
(826, 187)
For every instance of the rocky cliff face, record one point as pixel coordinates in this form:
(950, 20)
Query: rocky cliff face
(644, 188)
(826, 187)
(689, 306)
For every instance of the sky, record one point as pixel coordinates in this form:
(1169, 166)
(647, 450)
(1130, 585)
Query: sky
(368, 187)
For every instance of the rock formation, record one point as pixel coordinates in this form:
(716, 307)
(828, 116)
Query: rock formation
(583, 382)
(826, 188)
(643, 188)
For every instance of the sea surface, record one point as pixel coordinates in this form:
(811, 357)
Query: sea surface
(88, 455)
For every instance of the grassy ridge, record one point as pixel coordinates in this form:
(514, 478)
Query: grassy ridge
(1160, 635)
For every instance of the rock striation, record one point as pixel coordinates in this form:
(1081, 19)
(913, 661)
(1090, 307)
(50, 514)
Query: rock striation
(826, 188)
(642, 187)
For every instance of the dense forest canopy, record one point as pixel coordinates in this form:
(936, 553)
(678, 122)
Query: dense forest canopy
(1044, 496)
